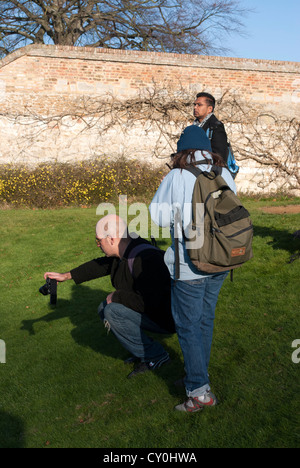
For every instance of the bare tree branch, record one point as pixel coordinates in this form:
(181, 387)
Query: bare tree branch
(269, 142)
(182, 26)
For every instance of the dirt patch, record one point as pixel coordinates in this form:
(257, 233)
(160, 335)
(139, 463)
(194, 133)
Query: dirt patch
(289, 209)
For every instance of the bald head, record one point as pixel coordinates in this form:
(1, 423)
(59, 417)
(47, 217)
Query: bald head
(111, 226)
(112, 235)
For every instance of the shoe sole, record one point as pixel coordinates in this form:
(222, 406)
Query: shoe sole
(185, 409)
(182, 408)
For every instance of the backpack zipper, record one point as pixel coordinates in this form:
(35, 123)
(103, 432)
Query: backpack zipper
(240, 232)
(214, 230)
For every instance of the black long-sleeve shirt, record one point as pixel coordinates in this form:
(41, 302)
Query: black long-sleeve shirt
(147, 289)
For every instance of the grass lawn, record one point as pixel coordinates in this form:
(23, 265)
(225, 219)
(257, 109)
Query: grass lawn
(64, 381)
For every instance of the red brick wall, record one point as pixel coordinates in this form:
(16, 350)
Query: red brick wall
(38, 76)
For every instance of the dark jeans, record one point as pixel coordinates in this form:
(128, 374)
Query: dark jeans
(128, 326)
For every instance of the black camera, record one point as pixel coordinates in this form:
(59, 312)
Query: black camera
(50, 287)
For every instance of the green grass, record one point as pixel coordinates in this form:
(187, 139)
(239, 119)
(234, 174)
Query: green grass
(64, 382)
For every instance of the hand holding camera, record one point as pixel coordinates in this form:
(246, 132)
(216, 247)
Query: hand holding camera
(50, 287)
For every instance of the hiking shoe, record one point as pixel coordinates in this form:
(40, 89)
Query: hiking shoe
(148, 366)
(194, 404)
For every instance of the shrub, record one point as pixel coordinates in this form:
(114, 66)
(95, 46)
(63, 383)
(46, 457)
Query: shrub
(83, 183)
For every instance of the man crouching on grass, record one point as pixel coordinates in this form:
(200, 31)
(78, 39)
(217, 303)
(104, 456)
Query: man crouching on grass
(142, 297)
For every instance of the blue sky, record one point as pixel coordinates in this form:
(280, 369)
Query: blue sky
(273, 31)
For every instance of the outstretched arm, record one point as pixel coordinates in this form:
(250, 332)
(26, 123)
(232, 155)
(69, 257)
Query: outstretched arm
(93, 269)
(60, 277)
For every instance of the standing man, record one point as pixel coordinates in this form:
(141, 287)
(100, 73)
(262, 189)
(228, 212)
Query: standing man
(142, 297)
(204, 106)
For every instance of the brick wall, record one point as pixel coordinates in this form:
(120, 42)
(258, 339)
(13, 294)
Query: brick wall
(55, 71)
(46, 81)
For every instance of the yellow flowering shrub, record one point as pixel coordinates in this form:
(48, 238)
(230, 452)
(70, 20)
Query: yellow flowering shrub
(83, 183)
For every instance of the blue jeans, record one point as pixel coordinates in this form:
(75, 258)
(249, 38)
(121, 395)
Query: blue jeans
(193, 309)
(128, 325)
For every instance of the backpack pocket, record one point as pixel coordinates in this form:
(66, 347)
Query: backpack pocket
(231, 245)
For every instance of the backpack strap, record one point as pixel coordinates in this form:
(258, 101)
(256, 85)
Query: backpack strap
(135, 251)
(177, 221)
(211, 127)
(196, 171)
(209, 132)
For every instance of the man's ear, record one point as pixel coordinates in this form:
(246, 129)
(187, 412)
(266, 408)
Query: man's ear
(111, 241)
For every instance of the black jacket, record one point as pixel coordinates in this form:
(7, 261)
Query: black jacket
(219, 136)
(146, 290)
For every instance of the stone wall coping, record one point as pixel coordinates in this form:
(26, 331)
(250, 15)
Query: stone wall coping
(152, 58)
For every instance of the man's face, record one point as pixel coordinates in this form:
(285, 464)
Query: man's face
(201, 108)
(107, 245)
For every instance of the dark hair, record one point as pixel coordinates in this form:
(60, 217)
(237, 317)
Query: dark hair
(210, 100)
(179, 160)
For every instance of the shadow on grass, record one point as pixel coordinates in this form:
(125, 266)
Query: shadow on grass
(281, 240)
(89, 330)
(11, 431)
